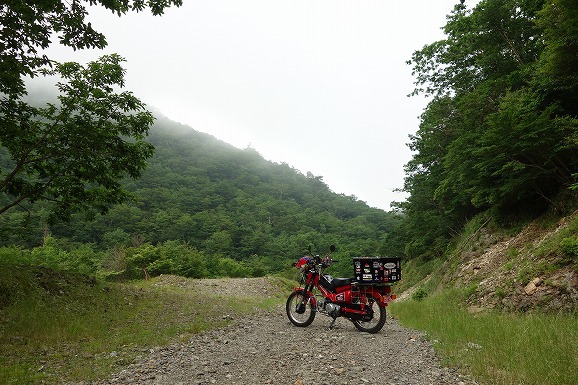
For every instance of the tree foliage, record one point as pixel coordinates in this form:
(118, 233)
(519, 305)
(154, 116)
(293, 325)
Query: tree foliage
(499, 133)
(75, 152)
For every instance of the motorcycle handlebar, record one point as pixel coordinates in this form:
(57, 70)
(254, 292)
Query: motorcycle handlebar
(325, 262)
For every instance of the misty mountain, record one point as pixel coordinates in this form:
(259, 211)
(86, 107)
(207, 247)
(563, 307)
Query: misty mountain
(221, 200)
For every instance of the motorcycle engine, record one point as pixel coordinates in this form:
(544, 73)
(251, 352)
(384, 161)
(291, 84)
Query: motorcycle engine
(332, 309)
(328, 307)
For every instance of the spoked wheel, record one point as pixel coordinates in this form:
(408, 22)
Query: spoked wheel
(378, 320)
(300, 309)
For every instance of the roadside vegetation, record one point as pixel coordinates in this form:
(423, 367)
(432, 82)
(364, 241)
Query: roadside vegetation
(496, 348)
(483, 321)
(58, 326)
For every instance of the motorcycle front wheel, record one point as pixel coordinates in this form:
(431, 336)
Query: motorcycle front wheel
(378, 319)
(300, 309)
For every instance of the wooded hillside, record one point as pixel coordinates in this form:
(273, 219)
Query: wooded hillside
(220, 201)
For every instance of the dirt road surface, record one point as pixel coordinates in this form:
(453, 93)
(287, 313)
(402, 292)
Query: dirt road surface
(266, 348)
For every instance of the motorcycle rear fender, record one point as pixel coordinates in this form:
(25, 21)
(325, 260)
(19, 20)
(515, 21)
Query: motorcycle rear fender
(309, 293)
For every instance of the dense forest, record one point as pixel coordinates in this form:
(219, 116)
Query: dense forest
(499, 137)
(202, 201)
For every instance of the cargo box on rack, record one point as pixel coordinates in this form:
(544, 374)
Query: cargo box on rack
(377, 269)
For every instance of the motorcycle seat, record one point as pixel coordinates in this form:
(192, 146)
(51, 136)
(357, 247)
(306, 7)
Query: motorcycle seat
(337, 282)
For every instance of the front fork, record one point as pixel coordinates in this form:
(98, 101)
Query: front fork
(306, 296)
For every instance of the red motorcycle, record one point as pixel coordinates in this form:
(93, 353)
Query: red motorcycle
(363, 303)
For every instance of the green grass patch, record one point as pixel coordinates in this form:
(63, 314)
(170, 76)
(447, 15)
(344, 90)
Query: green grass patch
(562, 248)
(57, 326)
(497, 348)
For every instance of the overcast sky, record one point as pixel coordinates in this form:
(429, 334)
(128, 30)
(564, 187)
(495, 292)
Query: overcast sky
(318, 84)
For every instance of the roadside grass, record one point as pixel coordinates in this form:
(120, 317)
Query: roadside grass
(60, 327)
(497, 348)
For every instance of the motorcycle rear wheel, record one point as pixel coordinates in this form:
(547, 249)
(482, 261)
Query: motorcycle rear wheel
(379, 316)
(300, 309)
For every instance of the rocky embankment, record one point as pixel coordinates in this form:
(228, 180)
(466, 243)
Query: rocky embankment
(511, 273)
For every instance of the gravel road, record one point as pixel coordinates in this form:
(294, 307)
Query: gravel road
(267, 349)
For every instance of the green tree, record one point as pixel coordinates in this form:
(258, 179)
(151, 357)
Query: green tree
(558, 66)
(74, 153)
(271, 215)
(557, 71)
(500, 131)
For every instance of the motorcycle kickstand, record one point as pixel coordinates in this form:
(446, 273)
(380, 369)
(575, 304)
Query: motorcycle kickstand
(332, 323)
